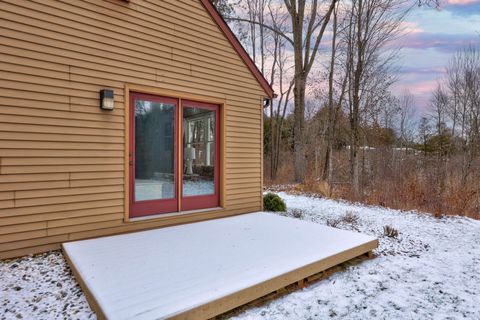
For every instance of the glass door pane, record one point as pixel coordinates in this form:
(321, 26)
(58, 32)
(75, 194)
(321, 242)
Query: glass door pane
(154, 150)
(198, 152)
(200, 156)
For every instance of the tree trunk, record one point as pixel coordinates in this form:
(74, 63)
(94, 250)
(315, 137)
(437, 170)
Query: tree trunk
(272, 144)
(298, 130)
(326, 173)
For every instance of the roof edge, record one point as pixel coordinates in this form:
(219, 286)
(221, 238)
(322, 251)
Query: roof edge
(238, 47)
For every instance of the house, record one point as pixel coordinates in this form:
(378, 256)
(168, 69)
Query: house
(118, 116)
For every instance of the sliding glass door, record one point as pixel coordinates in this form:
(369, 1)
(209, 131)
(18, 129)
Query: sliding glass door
(164, 177)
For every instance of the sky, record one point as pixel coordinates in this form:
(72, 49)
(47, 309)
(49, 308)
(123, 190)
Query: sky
(431, 37)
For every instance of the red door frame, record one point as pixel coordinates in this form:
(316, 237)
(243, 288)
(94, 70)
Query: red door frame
(211, 200)
(151, 207)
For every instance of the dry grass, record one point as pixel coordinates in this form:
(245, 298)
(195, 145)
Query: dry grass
(406, 182)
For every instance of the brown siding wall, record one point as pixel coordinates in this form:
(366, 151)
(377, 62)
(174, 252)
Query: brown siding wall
(61, 158)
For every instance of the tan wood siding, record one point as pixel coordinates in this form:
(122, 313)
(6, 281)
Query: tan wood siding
(62, 159)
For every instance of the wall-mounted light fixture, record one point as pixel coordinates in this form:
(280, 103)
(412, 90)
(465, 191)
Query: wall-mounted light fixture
(106, 99)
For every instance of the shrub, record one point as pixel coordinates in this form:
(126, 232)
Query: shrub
(272, 202)
(296, 213)
(390, 232)
(350, 218)
(333, 222)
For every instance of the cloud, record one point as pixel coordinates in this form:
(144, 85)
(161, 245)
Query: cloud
(462, 7)
(421, 70)
(443, 42)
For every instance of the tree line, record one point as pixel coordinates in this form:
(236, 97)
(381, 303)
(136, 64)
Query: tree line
(337, 128)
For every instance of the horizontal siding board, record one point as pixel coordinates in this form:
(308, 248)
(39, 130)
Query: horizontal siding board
(33, 242)
(56, 145)
(24, 124)
(58, 137)
(67, 199)
(59, 168)
(241, 187)
(96, 182)
(5, 204)
(33, 177)
(63, 122)
(95, 175)
(19, 186)
(21, 94)
(23, 227)
(42, 153)
(84, 227)
(57, 114)
(20, 101)
(244, 201)
(7, 195)
(66, 192)
(8, 66)
(32, 249)
(32, 161)
(18, 236)
(244, 195)
(89, 204)
(57, 224)
(62, 215)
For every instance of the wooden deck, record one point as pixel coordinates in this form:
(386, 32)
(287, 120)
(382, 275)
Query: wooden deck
(200, 270)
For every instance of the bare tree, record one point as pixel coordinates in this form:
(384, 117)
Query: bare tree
(406, 117)
(280, 71)
(333, 104)
(439, 106)
(308, 20)
(463, 109)
(424, 132)
(372, 24)
(306, 42)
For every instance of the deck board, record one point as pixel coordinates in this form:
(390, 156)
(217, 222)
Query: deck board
(199, 270)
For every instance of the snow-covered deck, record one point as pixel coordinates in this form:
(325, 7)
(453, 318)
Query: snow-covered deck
(203, 269)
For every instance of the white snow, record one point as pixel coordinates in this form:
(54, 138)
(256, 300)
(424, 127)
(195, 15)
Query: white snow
(41, 287)
(432, 271)
(160, 273)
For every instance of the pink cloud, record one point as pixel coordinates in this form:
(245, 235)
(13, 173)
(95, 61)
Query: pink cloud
(442, 42)
(462, 2)
(462, 7)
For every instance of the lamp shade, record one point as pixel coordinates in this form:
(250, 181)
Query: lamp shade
(189, 153)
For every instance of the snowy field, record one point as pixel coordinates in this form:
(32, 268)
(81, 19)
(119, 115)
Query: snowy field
(431, 270)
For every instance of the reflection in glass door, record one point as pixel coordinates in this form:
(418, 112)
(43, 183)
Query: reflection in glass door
(200, 187)
(153, 155)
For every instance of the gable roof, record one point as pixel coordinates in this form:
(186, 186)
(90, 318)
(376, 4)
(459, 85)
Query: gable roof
(238, 47)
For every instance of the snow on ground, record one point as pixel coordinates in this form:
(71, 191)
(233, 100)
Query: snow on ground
(40, 288)
(430, 271)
